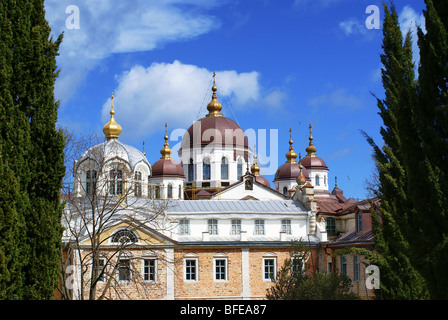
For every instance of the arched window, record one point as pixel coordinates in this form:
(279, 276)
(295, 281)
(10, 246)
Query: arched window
(224, 169)
(191, 170)
(206, 169)
(317, 180)
(90, 181)
(325, 180)
(157, 192)
(115, 182)
(239, 169)
(170, 191)
(180, 191)
(124, 236)
(285, 190)
(138, 184)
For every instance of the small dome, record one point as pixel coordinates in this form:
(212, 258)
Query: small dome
(263, 181)
(314, 163)
(255, 169)
(290, 171)
(114, 149)
(167, 168)
(311, 161)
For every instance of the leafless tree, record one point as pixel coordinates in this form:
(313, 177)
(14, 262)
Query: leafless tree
(105, 195)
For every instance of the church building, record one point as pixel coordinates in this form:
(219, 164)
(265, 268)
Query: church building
(207, 227)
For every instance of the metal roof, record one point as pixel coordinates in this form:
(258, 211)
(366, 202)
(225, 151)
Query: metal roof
(235, 206)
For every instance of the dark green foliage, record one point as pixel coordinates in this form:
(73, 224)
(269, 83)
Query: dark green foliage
(292, 284)
(32, 152)
(412, 241)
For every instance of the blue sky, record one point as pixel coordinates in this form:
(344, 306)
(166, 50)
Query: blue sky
(279, 65)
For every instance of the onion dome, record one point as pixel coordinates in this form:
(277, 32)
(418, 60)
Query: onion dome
(255, 169)
(215, 129)
(290, 170)
(112, 129)
(165, 166)
(311, 161)
(214, 107)
(291, 155)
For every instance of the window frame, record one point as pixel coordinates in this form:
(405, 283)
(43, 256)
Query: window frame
(206, 169)
(150, 270)
(212, 226)
(187, 272)
(286, 226)
(259, 229)
(273, 266)
(184, 227)
(224, 168)
(127, 268)
(235, 227)
(222, 259)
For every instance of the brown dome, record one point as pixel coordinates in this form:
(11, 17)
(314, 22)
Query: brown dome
(314, 163)
(289, 171)
(217, 130)
(167, 168)
(263, 181)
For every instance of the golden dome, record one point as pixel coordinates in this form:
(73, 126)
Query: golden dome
(311, 150)
(214, 107)
(166, 150)
(255, 169)
(112, 129)
(291, 155)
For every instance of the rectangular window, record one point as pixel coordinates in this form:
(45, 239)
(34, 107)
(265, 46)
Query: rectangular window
(236, 226)
(191, 270)
(286, 226)
(149, 269)
(343, 265)
(212, 226)
(184, 227)
(359, 222)
(259, 227)
(100, 270)
(220, 269)
(330, 224)
(239, 170)
(124, 270)
(138, 184)
(355, 268)
(297, 265)
(268, 269)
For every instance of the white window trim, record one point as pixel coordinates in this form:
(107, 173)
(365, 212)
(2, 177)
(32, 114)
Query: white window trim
(130, 269)
(269, 257)
(226, 266)
(155, 269)
(192, 257)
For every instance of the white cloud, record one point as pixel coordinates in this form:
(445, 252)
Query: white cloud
(108, 27)
(409, 19)
(146, 98)
(338, 99)
(353, 26)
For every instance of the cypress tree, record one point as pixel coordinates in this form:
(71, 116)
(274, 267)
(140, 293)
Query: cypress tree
(428, 181)
(32, 150)
(399, 278)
